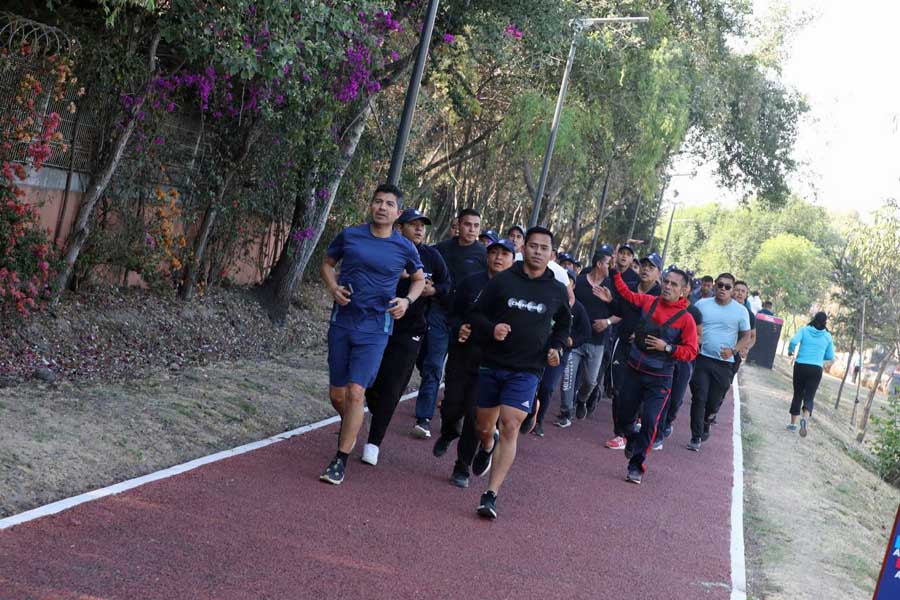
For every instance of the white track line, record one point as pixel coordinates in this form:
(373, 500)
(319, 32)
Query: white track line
(118, 488)
(738, 566)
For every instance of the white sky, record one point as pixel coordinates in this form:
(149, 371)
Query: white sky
(845, 61)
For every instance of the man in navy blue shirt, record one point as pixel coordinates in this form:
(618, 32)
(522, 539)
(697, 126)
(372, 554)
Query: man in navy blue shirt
(399, 358)
(373, 256)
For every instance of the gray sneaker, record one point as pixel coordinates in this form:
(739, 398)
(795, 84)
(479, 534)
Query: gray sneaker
(803, 427)
(694, 445)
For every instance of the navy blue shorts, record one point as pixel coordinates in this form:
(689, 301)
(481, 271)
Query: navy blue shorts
(354, 356)
(509, 388)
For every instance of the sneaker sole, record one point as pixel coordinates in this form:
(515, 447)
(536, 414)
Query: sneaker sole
(692, 449)
(634, 481)
(328, 479)
(369, 462)
(460, 483)
(803, 429)
(421, 433)
(487, 512)
(486, 469)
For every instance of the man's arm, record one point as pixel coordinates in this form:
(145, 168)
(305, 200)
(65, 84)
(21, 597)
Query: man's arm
(562, 326)
(626, 294)
(440, 276)
(340, 294)
(743, 343)
(687, 350)
(399, 306)
(477, 316)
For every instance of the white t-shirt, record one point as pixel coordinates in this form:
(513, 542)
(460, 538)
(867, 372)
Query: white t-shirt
(558, 272)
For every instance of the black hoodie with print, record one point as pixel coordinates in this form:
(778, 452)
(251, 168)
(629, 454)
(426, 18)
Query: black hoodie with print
(537, 311)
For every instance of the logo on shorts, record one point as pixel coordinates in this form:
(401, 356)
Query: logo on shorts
(539, 308)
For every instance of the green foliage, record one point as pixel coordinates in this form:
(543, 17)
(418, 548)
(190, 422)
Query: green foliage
(792, 271)
(887, 440)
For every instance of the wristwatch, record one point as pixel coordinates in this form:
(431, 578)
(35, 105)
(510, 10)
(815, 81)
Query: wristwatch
(609, 322)
(670, 349)
(410, 300)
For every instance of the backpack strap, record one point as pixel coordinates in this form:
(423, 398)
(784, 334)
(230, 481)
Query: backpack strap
(674, 318)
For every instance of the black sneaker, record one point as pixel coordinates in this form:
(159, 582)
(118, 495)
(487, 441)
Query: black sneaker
(487, 508)
(705, 435)
(580, 410)
(634, 475)
(481, 464)
(694, 445)
(334, 474)
(539, 429)
(667, 431)
(441, 445)
(527, 424)
(460, 478)
(422, 429)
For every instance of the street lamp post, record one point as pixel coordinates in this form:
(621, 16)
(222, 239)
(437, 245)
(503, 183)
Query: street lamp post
(669, 232)
(578, 25)
(412, 94)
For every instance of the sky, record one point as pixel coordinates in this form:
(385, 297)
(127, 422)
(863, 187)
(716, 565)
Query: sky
(844, 61)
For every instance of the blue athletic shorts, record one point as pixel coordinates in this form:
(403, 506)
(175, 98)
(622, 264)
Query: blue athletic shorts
(354, 356)
(510, 388)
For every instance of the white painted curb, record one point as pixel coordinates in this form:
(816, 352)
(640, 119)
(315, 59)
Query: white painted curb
(118, 488)
(738, 564)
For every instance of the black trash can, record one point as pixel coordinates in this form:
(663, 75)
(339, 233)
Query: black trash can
(768, 332)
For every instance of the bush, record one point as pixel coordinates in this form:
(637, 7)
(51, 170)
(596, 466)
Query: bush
(887, 441)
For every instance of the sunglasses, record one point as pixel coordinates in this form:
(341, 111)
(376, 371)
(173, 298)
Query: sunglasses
(723, 286)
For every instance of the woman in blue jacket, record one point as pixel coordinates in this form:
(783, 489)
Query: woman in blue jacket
(816, 347)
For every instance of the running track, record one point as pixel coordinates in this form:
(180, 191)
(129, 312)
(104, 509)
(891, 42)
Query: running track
(261, 525)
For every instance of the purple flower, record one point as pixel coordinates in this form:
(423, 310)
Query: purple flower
(513, 31)
(449, 38)
(158, 141)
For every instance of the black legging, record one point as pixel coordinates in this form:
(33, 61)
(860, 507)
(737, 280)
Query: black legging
(806, 382)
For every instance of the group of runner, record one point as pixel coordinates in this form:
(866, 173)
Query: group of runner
(510, 322)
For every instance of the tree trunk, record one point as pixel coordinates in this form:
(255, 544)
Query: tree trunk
(837, 402)
(283, 287)
(864, 422)
(283, 264)
(193, 266)
(82, 226)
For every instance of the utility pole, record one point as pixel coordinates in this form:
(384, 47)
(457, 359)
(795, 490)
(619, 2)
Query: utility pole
(578, 26)
(412, 94)
(669, 232)
(600, 214)
(862, 350)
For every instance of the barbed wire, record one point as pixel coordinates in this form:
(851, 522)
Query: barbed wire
(42, 39)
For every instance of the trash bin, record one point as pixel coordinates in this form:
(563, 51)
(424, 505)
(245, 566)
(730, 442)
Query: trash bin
(768, 332)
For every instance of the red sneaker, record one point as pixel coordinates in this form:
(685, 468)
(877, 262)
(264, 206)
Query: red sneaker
(617, 443)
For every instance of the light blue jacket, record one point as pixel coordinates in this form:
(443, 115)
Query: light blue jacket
(816, 346)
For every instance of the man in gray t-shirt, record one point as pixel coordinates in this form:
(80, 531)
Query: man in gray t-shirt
(726, 333)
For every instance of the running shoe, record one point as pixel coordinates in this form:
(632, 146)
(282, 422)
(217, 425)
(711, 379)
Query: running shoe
(527, 424)
(334, 474)
(441, 445)
(705, 435)
(563, 422)
(792, 428)
(422, 430)
(694, 445)
(658, 445)
(370, 454)
(580, 410)
(539, 429)
(481, 464)
(487, 508)
(617, 443)
(803, 427)
(460, 478)
(634, 475)
(668, 431)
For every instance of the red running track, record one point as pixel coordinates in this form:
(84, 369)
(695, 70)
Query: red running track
(261, 525)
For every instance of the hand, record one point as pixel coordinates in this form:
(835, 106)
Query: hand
(341, 295)
(428, 290)
(553, 357)
(603, 293)
(501, 330)
(569, 342)
(654, 343)
(599, 325)
(399, 307)
(743, 354)
(464, 332)
(726, 353)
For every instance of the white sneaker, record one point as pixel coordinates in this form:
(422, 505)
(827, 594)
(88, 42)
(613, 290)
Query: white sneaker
(370, 454)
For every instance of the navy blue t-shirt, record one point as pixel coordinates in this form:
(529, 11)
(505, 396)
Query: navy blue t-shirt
(371, 267)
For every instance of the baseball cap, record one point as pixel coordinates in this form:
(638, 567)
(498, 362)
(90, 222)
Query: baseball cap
(565, 256)
(627, 246)
(411, 214)
(519, 227)
(510, 247)
(604, 250)
(654, 259)
(489, 234)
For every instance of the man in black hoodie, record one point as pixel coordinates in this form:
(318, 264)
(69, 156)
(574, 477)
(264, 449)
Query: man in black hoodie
(524, 314)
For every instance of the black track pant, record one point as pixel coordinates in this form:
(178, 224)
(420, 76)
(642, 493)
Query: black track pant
(709, 384)
(618, 373)
(648, 396)
(681, 378)
(458, 406)
(393, 376)
(806, 382)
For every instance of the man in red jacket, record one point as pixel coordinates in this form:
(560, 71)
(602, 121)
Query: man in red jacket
(665, 334)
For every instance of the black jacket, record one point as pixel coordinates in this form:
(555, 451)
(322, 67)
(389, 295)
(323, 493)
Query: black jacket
(462, 261)
(413, 322)
(581, 325)
(537, 311)
(594, 306)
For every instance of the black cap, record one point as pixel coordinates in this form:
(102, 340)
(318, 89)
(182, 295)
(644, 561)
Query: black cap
(519, 227)
(627, 246)
(411, 214)
(604, 250)
(507, 244)
(654, 259)
(563, 257)
(489, 234)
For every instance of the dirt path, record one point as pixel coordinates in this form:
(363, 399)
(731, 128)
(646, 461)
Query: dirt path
(60, 441)
(816, 521)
